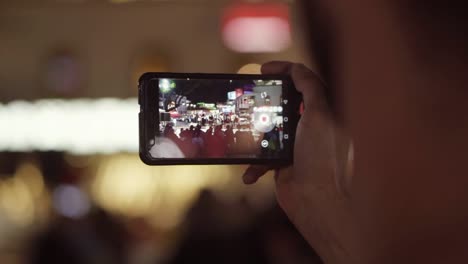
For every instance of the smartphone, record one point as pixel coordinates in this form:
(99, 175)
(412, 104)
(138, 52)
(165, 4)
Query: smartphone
(195, 118)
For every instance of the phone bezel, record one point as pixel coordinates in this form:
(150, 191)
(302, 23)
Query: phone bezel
(291, 108)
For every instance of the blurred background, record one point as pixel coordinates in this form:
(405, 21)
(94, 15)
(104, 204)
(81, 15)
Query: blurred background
(72, 187)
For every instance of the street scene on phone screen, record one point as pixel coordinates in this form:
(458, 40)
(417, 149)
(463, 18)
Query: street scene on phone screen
(219, 118)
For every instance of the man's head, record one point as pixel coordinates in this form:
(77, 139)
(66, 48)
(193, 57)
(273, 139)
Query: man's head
(430, 33)
(396, 83)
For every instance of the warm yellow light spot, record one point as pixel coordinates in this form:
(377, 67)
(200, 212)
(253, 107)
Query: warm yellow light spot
(42, 208)
(251, 68)
(161, 194)
(17, 202)
(31, 176)
(124, 186)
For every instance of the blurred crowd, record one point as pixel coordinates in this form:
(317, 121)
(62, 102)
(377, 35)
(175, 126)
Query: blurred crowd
(234, 234)
(212, 232)
(77, 227)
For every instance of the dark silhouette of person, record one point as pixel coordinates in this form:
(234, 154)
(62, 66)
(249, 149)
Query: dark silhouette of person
(216, 144)
(211, 239)
(198, 142)
(230, 140)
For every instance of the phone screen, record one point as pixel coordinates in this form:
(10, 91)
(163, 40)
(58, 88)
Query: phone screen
(219, 118)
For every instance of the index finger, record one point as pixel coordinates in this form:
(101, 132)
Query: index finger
(255, 172)
(277, 67)
(306, 81)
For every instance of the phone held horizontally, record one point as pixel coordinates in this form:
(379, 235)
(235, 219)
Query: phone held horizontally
(194, 118)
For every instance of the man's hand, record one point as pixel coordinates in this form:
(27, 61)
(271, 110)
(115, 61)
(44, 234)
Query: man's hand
(315, 191)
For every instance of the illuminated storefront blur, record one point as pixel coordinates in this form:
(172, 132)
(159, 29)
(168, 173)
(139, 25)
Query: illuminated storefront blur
(69, 139)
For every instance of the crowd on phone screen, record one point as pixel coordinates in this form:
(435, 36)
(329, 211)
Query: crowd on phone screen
(217, 142)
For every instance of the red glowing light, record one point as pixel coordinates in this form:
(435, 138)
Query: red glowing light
(262, 27)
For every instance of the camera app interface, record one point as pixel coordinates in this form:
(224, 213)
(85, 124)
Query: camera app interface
(219, 119)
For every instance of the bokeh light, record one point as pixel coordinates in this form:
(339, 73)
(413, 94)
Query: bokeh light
(16, 202)
(80, 126)
(70, 201)
(163, 194)
(32, 177)
(251, 68)
(64, 74)
(257, 28)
